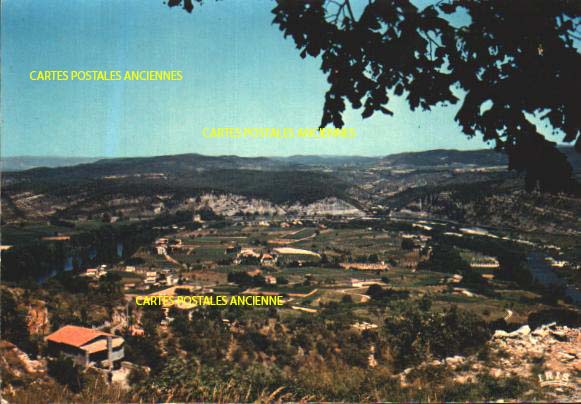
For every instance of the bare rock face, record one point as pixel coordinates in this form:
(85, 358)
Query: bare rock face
(15, 364)
(37, 318)
(230, 205)
(550, 355)
(327, 206)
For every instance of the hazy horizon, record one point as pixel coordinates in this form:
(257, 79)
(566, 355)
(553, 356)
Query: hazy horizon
(238, 71)
(239, 155)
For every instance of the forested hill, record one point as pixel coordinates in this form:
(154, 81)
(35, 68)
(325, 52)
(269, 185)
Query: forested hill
(170, 165)
(478, 158)
(143, 186)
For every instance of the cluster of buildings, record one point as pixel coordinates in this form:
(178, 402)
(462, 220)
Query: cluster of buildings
(148, 279)
(163, 246)
(151, 278)
(164, 277)
(96, 273)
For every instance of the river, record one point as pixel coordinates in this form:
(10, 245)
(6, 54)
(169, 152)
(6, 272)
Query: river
(70, 259)
(544, 274)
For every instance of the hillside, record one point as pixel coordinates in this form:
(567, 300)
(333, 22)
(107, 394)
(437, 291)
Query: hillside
(482, 158)
(177, 165)
(146, 186)
(458, 158)
(472, 186)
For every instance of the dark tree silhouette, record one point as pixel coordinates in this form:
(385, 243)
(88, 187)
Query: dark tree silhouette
(511, 61)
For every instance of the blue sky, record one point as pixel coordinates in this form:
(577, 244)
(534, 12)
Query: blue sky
(238, 71)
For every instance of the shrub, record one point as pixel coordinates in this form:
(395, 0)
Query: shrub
(67, 373)
(415, 334)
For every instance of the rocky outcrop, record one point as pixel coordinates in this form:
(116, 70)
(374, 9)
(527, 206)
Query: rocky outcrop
(549, 355)
(328, 206)
(37, 318)
(230, 205)
(16, 365)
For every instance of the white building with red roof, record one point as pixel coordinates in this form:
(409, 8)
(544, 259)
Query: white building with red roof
(86, 346)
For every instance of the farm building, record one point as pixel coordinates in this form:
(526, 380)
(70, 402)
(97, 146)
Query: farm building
(267, 260)
(484, 262)
(86, 346)
(288, 255)
(247, 256)
(269, 279)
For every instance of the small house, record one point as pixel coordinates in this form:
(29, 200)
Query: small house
(171, 280)
(270, 280)
(267, 260)
(150, 277)
(86, 346)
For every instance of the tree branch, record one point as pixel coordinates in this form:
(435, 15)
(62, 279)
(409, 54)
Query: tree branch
(348, 4)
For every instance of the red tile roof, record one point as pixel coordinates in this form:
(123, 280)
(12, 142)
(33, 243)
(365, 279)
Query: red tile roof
(75, 336)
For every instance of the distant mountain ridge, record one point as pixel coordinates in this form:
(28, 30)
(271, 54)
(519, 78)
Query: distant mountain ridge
(452, 157)
(189, 161)
(21, 163)
(446, 183)
(142, 185)
(446, 157)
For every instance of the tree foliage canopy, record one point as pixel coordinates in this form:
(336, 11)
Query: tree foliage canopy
(510, 63)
